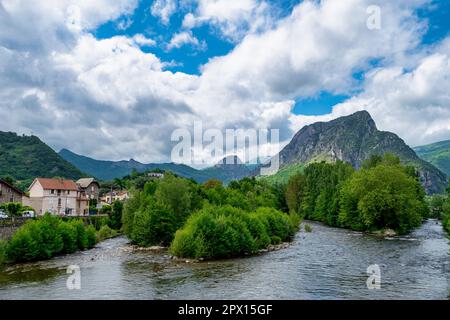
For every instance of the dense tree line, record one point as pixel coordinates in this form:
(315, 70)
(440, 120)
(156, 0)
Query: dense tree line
(382, 194)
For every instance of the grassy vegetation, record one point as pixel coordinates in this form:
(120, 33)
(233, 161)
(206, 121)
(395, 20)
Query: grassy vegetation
(26, 157)
(284, 174)
(438, 154)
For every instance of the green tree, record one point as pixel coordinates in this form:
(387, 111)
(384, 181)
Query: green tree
(116, 215)
(381, 197)
(175, 194)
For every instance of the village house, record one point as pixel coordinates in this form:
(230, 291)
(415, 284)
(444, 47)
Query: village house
(110, 197)
(58, 197)
(90, 187)
(156, 175)
(9, 193)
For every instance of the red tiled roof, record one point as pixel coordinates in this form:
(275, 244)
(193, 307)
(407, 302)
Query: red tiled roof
(57, 184)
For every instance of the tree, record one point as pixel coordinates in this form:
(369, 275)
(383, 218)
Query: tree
(116, 215)
(381, 197)
(175, 193)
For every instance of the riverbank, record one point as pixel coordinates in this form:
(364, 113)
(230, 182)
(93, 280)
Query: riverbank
(328, 263)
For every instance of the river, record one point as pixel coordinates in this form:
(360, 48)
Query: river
(327, 263)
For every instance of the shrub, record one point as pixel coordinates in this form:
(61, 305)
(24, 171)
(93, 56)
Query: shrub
(46, 233)
(308, 228)
(3, 246)
(68, 234)
(91, 236)
(223, 232)
(105, 233)
(24, 245)
(82, 239)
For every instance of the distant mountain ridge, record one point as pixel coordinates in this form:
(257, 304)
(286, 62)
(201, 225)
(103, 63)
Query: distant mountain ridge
(437, 154)
(27, 157)
(108, 170)
(354, 139)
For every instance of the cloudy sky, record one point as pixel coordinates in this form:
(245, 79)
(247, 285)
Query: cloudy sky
(112, 79)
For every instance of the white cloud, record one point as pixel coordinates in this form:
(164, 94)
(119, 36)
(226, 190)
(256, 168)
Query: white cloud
(415, 104)
(234, 19)
(144, 41)
(164, 9)
(61, 82)
(185, 38)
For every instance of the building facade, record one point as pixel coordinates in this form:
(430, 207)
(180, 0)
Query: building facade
(90, 187)
(9, 193)
(58, 197)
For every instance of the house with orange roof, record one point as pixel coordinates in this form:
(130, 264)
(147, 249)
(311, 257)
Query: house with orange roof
(57, 196)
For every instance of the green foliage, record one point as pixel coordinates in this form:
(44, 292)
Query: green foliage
(175, 194)
(47, 237)
(81, 236)
(91, 235)
(308, 228)
(68, 234)
(24, 158)
(116, 215)
(446, 211)
(437, 154)
(106, 209)
(15, 209)
(3, 247)
(436, 204)
(105, 233)
(314, 194)
(384, 196)
(283, 175)
(223, 232)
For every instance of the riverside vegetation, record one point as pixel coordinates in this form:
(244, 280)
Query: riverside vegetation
(49, 236)
(211, 221)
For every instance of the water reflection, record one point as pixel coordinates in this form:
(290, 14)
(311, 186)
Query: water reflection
(328, 263)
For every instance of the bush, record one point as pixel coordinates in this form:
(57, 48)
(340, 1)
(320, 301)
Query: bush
(308, 228)
(82, 239)
(223, 232)
(3, 246)
(91, 236)
(68, 234)
(105, 233)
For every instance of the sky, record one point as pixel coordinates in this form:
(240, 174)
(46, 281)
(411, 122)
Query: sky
(113, 79)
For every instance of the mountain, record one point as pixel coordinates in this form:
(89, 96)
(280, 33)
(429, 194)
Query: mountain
(27, 157)
(437, 154)
(354, 139)
(108, 170)
(228, 169)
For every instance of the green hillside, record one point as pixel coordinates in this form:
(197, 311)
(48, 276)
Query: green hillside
(437, 153)
(26, 157)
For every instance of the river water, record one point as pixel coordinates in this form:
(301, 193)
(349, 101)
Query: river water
(327, 263)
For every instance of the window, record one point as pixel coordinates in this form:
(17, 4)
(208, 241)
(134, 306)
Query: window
(59, 192)
(59, 202)
(68, 192)
(52, 191)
